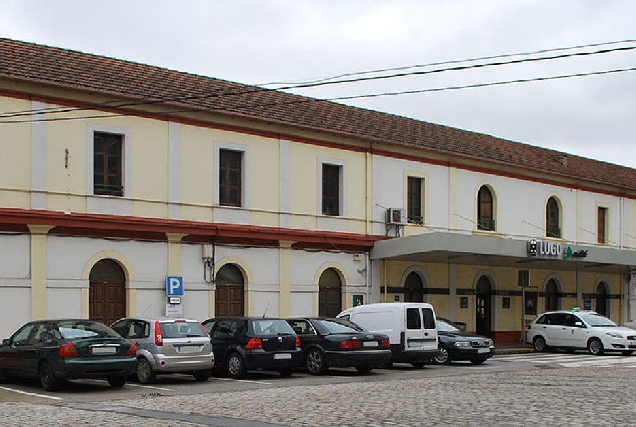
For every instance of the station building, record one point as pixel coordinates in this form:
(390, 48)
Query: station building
(129, 189)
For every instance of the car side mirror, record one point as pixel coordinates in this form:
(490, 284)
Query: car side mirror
(6, 341)
(579, 324)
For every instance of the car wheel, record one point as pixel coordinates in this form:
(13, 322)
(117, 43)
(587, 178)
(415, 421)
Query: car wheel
(202, 375)
(595, 347)
(477, 361)
(443, 357)
(285, 373)
(235, 366)
(145, 374)
(418, 365)
(48, 380)
(315, 362)
(539, 344)
(117, 381)
(364, 369)
(627, 352)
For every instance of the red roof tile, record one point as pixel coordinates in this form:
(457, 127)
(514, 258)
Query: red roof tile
(69, 69)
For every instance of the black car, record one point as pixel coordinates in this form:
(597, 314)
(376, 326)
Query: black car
(457, 344)
(330, 343)
(242, 344)
(67, 349)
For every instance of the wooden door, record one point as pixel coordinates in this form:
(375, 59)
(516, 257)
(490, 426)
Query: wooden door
(107, 292)
(229, 300)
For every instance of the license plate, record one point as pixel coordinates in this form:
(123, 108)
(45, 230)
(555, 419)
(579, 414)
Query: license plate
(416, 344)
(187, 349)
(370, 344)
(282, 356)
(483, 350)
(103, 350)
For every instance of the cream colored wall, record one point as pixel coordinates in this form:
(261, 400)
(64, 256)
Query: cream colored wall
(15, 173)
(66, 185)
(305, 164)
(197, 177)
(503, 279)
(147, 166)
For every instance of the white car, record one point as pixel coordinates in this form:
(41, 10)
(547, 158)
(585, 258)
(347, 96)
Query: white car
(572, 330)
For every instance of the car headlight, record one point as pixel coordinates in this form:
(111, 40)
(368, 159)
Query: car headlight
(614, 335)
(462, 344)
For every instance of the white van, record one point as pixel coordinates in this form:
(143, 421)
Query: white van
(410, 326)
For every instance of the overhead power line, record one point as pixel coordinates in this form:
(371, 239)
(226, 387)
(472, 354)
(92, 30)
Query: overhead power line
(455, 61)
(256, 89)
(301, 100)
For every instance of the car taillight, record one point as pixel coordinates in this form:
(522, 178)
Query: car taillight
(297, 342)
(254, 343)
(158, 337)
(132, 350)
(68, 350)
(385, 343)
(350, 344)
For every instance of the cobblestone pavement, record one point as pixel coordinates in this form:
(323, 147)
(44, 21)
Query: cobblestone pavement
(559, 396)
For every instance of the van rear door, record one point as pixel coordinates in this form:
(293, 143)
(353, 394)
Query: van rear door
(420, 332)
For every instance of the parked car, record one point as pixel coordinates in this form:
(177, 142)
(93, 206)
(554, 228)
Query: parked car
(339, 343)
(67, 349)
(409, 325)
(573, 330)
(244, 344)
(168, 346)
(457, 344)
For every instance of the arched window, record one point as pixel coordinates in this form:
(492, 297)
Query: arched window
(485, 215)
(552, 296)
(552, 224)
(413, 288)
(329, 293)
(106, 292)
(230, 291)
(602, 307)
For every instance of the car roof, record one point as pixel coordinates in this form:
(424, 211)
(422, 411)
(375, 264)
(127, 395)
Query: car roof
(571, 312)
(158, 319)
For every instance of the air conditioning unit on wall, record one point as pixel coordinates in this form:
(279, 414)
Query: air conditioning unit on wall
(395, 216)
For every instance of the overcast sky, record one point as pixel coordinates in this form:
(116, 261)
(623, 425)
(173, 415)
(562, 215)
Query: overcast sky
(264, 41)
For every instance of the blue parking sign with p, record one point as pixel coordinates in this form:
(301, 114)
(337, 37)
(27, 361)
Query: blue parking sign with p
(174, 286)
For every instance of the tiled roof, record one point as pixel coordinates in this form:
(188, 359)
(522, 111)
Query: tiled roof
(69, 69)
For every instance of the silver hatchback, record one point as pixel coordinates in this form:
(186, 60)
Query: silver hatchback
(166, 346)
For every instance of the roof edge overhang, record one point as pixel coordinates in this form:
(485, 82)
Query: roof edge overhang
(498, 250)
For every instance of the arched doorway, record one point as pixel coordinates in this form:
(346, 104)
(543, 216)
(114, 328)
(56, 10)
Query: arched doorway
(483, 306)
(230, 293)
(329, 293)
(106, 292)
(413, 288)
(552, 301)
(602, 307)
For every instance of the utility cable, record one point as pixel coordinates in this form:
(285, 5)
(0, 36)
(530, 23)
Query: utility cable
(300, 100)
(256, 89)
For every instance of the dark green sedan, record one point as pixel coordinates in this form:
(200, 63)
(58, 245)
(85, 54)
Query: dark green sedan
(67, 349)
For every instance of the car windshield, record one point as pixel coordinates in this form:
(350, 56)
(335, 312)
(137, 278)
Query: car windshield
(271, 327)
(71, 329)
(594, 319)
(182, 329)
(444, 326)
(339, 326)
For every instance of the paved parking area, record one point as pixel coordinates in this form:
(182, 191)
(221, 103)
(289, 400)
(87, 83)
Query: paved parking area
(549, 396)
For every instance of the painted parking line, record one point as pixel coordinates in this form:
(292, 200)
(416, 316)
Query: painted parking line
(31, 394)
(133, 385)
(243, 381)
(149, 386)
